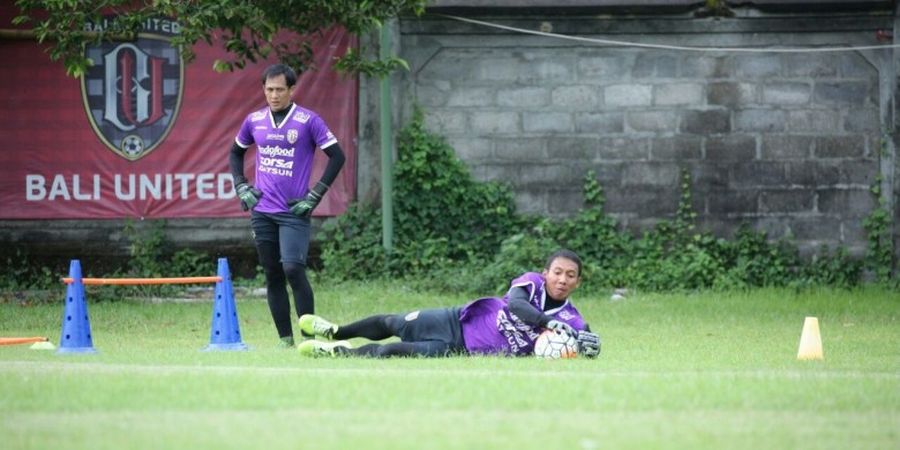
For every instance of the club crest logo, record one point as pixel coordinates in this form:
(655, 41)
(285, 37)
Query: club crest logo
(292, 136)
(132, 93)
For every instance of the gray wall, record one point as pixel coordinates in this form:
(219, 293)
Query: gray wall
(787, 143)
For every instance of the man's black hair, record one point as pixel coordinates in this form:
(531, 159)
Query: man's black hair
(280, 69)
(564, 253)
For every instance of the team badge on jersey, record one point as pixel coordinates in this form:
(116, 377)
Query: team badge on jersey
(132, 93)
(292, 136)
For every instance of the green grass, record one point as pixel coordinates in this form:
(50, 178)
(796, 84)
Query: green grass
(705, 370)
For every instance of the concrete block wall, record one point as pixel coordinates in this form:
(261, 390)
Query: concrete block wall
(786, 143)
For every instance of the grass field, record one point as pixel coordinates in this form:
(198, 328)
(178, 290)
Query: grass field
(706, 370)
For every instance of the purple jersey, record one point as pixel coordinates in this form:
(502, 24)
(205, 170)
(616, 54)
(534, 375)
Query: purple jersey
(489, 328)
(284, 153)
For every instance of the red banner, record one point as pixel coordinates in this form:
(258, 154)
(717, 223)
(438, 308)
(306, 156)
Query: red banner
(144, 135)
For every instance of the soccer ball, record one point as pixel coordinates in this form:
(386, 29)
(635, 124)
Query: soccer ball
(552, 344)
(132, 145)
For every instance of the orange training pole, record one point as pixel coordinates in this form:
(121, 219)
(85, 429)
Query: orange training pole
(21, 340)
(144, 281)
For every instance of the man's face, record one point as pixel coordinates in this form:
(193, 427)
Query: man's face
(278, 94)
(561, 278)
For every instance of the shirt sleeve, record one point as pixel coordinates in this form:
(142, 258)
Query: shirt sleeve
(244, 137)
(321, 134)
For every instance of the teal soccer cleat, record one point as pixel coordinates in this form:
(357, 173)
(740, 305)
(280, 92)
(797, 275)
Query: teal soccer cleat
(286, 342)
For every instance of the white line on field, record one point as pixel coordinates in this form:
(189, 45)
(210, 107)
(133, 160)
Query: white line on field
(57, 367)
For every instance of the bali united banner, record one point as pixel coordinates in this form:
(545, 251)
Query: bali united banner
(144, 134)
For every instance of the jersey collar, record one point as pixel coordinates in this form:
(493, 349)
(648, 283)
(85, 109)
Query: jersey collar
(544, 301)
(287, 116)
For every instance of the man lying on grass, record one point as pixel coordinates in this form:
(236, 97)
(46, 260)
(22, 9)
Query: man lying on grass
(493, 326)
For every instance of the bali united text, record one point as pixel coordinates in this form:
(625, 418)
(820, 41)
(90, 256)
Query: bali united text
(126, 187)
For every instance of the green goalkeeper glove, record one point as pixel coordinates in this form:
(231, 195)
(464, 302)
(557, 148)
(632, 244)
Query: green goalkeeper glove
(304, 208)
(249, 195)
(558, 325)
(588, 344)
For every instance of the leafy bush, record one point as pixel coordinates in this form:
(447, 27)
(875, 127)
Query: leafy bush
(439, 208)
(18, 274)
(453, 233)
(351, 244)
(152, 257)
(442, 216)
(878, 228)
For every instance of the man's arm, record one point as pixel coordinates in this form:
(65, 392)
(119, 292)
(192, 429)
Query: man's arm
(519, 305)
(336, 160)
(248, 194)
(236, 163)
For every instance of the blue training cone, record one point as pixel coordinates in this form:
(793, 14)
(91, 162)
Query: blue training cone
(76, 326)
(225, 333)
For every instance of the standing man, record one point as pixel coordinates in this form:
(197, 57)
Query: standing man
(281, 203)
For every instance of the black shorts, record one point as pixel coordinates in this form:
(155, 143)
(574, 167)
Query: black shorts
(290, 232)
(436, 331)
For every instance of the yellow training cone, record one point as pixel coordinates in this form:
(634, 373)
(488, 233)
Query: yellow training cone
(810, 340)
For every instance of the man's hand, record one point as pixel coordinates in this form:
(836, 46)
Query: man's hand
(304, 207)
(558, 325)
(249, 195)
(588, 344)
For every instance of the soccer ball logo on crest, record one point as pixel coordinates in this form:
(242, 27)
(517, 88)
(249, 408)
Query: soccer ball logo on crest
(132, 145)
(553, 344)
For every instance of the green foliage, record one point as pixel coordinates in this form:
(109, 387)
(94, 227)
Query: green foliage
(152, 254)
(457, 235)
(436, 200)
(833, 269)
(519, 253)
(351, 244)
(354, 62)
(146, 250)
(594, 234)
(18, 275)
(442, 216)
(672, 256)
(152, 257)
(251, 30)
(879, 257)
